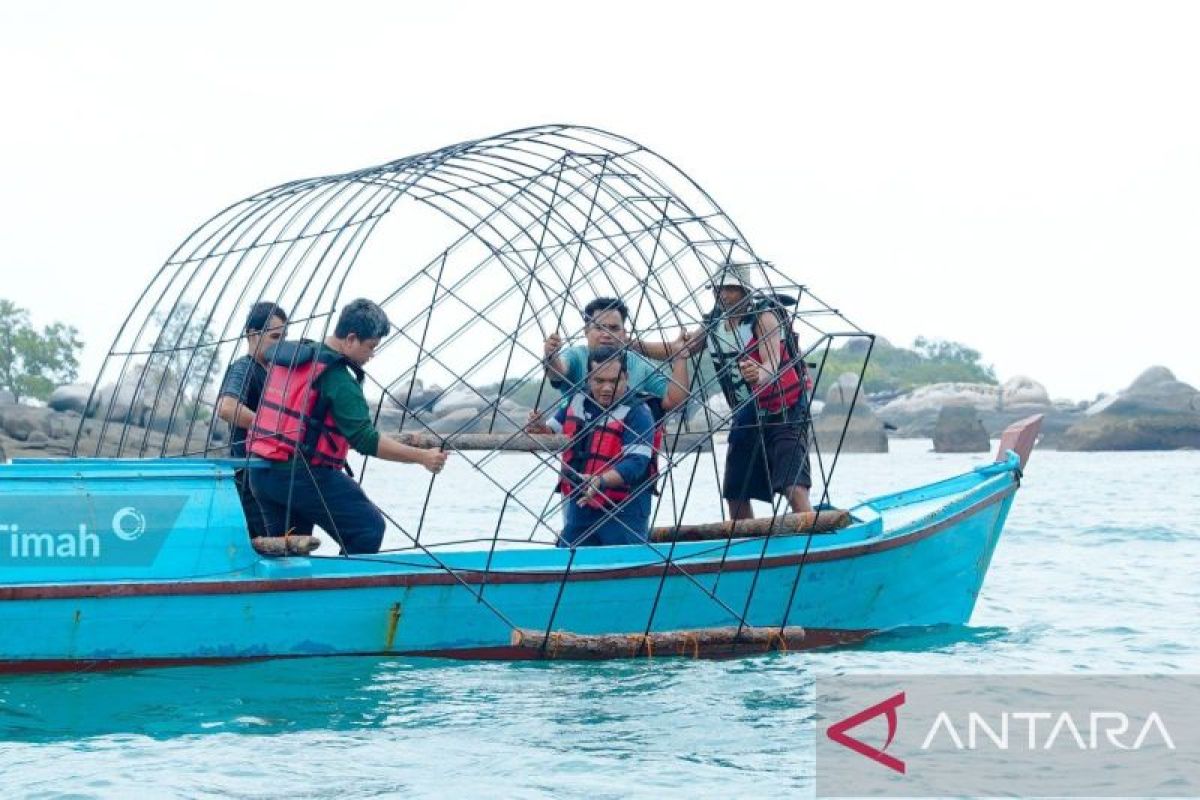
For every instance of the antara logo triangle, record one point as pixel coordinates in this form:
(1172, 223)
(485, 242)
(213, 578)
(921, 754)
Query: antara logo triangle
(837, 732)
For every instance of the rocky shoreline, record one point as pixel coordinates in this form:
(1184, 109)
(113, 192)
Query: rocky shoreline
(1155, 412)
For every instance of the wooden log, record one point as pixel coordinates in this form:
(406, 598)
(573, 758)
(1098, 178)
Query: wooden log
(533, 442)
(825, 521)
(285, 545)
(693, 644)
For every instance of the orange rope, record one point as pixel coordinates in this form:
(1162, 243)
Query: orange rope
(694, 640)
(636, 642)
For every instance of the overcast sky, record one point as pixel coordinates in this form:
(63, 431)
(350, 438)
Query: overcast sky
(1020, 177)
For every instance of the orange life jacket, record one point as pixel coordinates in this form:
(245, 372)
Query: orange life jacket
(601, 450)
(292, 415)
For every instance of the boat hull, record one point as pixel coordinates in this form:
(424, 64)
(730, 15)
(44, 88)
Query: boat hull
(839, 587)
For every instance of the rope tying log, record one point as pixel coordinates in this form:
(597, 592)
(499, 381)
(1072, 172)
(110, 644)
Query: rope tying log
(285, 545)
(694, 641)
(702, 642)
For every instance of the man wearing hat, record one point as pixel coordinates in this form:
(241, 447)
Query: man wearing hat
(760, 370)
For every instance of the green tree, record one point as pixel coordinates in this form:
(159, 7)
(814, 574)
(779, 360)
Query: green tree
(33, 362)
(901, 369)
(186, 350)
(938, 350)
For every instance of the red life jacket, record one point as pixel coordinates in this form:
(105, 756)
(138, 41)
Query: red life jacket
(786, 387)
(790, 381)
(601, 451)
(292, 415)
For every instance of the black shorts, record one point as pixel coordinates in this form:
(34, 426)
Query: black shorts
(766, 455)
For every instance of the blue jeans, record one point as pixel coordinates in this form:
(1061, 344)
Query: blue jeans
(298, 496)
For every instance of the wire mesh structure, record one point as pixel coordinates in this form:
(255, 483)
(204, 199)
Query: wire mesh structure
(478, 252)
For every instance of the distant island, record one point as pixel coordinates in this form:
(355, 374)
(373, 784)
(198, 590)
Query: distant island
(941, 390)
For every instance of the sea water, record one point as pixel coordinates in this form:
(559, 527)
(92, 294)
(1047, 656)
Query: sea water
(1097, 572)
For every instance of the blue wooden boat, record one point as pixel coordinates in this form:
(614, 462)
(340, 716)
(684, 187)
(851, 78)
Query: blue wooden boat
(135, 551)
(124, 563)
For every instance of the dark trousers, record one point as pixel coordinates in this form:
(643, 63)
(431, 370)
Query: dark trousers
(254, 515)
(298, 496)
(591, 526)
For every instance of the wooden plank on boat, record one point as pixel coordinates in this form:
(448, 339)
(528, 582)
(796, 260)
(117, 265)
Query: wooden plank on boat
(533, 442)
(825, 521)
(1020, 438)
(693, 644)
(285, 545)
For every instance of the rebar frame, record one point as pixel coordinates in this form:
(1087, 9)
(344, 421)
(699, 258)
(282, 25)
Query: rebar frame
(536, 222)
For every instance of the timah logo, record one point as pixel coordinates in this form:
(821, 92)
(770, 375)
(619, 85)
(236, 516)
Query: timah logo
(128, 524)
(837, 732)
(88, 529)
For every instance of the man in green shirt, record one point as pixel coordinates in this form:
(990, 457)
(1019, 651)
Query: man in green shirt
(311, 414)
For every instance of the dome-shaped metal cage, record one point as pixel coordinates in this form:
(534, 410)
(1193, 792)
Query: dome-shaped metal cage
(502, 243)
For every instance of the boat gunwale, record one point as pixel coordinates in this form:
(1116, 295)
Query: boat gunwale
(435, 577)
